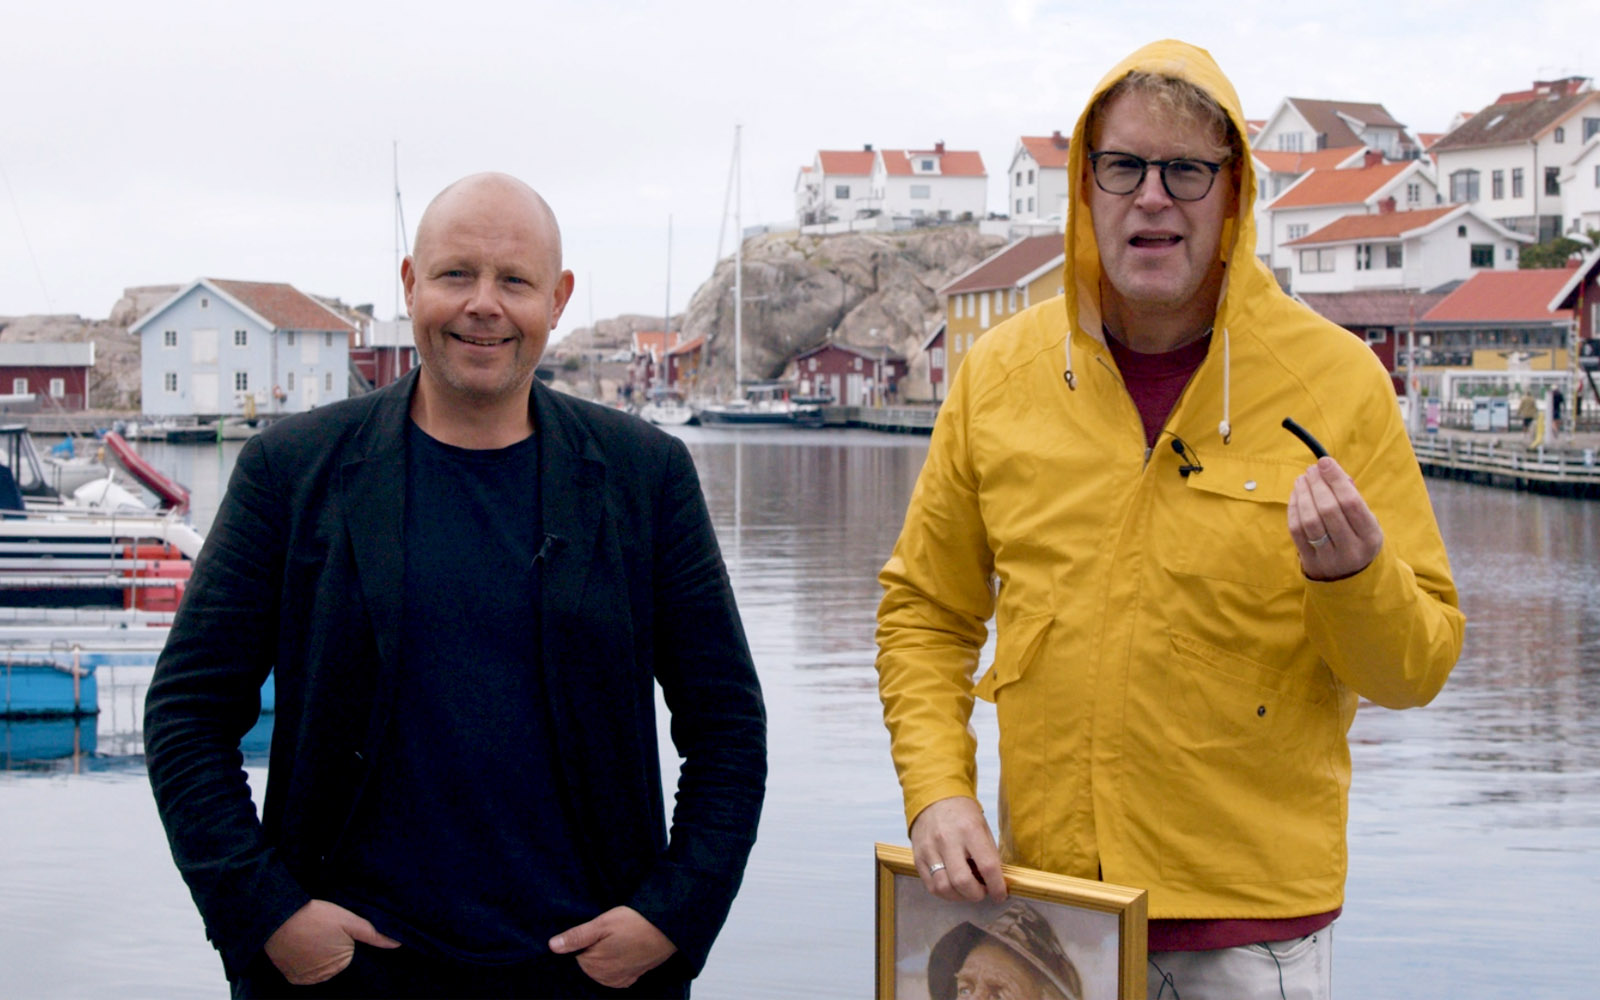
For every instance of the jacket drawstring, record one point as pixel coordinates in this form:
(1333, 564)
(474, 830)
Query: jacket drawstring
(1225, 428)
(1072, 381)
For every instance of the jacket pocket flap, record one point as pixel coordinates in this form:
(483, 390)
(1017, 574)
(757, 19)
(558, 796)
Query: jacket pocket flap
(1262, 480)
(1016, 643)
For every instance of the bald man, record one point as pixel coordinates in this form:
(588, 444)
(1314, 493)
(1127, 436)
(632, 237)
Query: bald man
(468, 586)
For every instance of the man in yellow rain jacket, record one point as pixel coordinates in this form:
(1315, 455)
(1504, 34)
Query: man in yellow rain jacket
(1186, 612)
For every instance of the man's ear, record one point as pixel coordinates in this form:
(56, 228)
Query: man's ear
(408, 279)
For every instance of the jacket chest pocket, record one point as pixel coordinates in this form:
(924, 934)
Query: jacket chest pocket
(1234, 523)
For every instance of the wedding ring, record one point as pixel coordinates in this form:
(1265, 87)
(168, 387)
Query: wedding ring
(937, 866)
(1318, 543)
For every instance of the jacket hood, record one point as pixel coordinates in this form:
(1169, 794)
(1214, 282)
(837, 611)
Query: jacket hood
(1245, 273)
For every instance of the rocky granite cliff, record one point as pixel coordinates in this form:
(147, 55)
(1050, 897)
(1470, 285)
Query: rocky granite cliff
(864, 289)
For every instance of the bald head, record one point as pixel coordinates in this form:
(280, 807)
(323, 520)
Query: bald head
(511, 199)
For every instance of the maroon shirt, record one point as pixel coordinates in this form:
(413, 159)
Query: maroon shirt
(1156, 381)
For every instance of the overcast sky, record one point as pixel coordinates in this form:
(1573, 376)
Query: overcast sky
(154, 143)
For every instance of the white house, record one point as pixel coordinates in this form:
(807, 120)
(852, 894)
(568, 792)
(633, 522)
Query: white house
(1580, 189)
(1322, 196)
(1276, 171)
(1303, 125)
(1037, 180)
(1419, 249)
(1509, 158)
(216, 342)
(931, 183)
(837, 185)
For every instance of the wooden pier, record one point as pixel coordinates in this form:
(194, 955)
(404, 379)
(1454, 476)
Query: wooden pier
(1570, 468)
(894, 419)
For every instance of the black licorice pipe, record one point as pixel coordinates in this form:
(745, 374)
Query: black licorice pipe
(1305, 437)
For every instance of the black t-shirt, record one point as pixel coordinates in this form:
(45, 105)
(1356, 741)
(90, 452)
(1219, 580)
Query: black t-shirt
(461, 844)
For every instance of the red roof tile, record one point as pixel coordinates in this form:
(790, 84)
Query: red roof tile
(282, 305)
(846, 163)
(1338, 187)
(1046, 151)
(1373, 307)
(1010, 265)
(1280, 162)
(1384, 225)
(689, 346)
(1504, 296)
(952, 162)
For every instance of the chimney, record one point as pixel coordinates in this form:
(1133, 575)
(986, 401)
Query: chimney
(866, 147)
(938, 147)
(1372, 158)
(1058, 139)
(1386, 206)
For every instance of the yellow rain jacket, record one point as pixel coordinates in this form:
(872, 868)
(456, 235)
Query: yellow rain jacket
(1173, 694)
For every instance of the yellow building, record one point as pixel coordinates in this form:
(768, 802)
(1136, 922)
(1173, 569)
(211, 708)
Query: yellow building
(1022, 274)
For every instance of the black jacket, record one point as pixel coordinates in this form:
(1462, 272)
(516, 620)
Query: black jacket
(301, 574)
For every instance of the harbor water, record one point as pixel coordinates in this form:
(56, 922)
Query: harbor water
(1474, 822)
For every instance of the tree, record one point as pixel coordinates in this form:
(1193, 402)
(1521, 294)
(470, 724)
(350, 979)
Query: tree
(1555, 253)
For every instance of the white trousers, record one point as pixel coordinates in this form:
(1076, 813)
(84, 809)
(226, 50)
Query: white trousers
(1300, 969)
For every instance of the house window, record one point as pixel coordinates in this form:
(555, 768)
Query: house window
(1561, 134)
(1464, 186)
(1030, 176)
(956, 305)
(1497, 185)
(999, 303)
(1364, 257)
(1019, 178)
(1590, 127)
(327, 339)
(927, 166)
(1461, 231)
(1552, 180)
(857, 363)
(1011, 301)
(1414, 193)
(58, 388)
(1019, 206)
(1482, 255)
(1377, 335)
(1030, 204)
(841, 191)
(1394, 255)
(1509, 254)
(1297, 230)
(205, 303)
(920, 191)
(937, 357)
(288, 339)
(240, 338)
(327, 381)
(1289, 142)
(1316, 261)
(288, 381)
(241, 381)
(1516, 182)
(169, 381)
(169, 338)
(1597, 176)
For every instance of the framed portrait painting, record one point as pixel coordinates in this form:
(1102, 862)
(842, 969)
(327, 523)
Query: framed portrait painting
(1054, 938)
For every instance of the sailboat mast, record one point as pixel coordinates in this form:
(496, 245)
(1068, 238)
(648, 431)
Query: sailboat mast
(738, 267)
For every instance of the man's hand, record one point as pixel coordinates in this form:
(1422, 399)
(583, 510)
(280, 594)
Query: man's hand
(615, 948)
(1332, 527)
(317, 943)
(955, 853)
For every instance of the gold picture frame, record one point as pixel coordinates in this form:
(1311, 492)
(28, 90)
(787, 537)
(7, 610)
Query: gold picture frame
(1085, 938)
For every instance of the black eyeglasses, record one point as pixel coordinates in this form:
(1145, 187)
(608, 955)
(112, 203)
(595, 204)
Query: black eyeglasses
(1185, 179)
